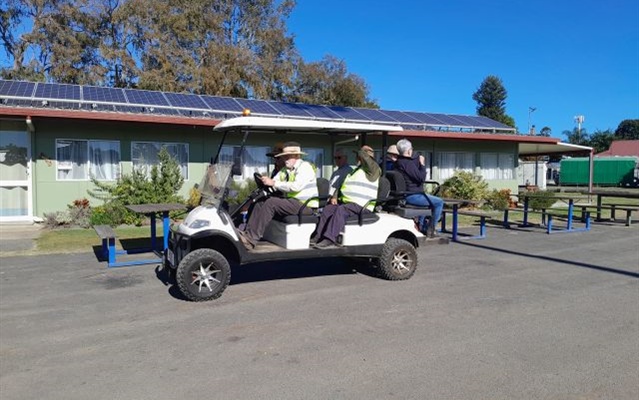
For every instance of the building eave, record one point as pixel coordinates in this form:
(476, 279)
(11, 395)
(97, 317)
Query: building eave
(107, 116)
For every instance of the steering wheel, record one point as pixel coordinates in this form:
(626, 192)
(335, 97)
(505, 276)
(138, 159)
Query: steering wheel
(260, 185)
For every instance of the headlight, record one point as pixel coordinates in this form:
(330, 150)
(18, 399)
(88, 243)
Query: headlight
(199, 223)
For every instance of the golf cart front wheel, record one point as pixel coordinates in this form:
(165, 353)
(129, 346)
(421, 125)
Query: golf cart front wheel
(398, 260)
(203, 275)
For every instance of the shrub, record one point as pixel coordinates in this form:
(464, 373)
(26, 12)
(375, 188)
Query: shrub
(195, 197)
(239, 191)
(160, 185)
(542, 200)
(465, 185)
(498, 199)
(80, 213)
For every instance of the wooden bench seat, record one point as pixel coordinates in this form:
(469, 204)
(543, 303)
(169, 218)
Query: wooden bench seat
(547, 219)
(107, 234)
(613, 208)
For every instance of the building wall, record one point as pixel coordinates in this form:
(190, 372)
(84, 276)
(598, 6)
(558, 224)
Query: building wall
(51, 194)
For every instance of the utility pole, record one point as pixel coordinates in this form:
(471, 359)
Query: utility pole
(579, 119)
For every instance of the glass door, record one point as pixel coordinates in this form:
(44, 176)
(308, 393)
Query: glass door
(15, 172)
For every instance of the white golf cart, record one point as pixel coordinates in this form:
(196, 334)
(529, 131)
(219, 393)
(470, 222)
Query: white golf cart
(205, 245)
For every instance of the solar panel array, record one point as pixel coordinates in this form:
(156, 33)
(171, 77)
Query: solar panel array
(53, 95)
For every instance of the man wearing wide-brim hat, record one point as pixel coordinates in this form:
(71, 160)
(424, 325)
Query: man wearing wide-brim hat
(358, 188)
(300, 185)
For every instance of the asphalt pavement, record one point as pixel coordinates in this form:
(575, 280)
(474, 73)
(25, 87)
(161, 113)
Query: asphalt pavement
(518, 315)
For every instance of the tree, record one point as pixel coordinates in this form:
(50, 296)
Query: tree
(545, 131)
(329, 82)
(577, 136)
(628, 129)
(491, 100)
(600, 140)
(238, 48)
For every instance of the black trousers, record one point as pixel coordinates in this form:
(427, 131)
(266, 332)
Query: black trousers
(333, 220)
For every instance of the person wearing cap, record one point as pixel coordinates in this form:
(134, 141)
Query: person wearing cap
(300, 186)
(391, 157)
(358, 188)
(414, 171)
(343, 169)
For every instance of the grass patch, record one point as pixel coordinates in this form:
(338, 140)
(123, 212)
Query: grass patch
(77, 240)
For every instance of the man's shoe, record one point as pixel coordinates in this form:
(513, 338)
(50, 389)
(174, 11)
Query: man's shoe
(325, 244)
(246, 241)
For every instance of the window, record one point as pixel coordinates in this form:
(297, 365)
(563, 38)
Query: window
(315, 156)
(450, 162)
(253, 159)
(145, 155)
(497, 166)
(82, 159)
(429, 161)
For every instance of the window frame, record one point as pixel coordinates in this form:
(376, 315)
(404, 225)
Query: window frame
(88, 163)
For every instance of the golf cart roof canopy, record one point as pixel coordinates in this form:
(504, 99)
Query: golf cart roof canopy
(301, 125)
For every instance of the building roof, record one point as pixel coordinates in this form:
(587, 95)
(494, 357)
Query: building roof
(46, 100)
(621, 148)
(114, 103)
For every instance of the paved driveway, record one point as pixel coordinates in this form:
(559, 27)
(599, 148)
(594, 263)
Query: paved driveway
(519, 315)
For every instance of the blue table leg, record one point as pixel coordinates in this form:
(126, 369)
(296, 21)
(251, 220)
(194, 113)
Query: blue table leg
(455, 216)
(165, 230)
(525, 211)
(570, 212)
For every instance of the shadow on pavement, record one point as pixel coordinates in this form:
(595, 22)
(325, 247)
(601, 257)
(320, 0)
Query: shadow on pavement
(553, 259)
(279, 270)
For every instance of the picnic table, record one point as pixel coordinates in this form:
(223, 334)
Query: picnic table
(107, 234)
(153, 210)
(569, 200)
(610, 193)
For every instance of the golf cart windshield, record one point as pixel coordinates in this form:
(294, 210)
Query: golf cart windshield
(214, 184)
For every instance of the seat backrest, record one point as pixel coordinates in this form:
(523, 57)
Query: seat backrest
(323, 187)
(384, 188)
(397, 182)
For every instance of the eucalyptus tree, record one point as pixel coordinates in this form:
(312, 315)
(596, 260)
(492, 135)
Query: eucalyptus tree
(329, 82)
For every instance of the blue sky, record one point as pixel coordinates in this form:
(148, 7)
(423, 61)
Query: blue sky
(564, 57)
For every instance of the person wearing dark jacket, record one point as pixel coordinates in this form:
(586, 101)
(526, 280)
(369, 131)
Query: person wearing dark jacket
(413, 169)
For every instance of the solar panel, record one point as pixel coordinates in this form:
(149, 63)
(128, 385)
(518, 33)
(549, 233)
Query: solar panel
(186, 100)
(401, 117)
(322, 112)
(466, 121)
(258, 106)
(145, 97)
(222, 103)
(57, 91)
(424, 118)
(376, 115)
(17, 89)
(492, 123)
(348, 113)
(291, 109)
(103, 94)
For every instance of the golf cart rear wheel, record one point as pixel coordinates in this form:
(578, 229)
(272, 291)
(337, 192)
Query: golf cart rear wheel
(398, 260)
(203, 275)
